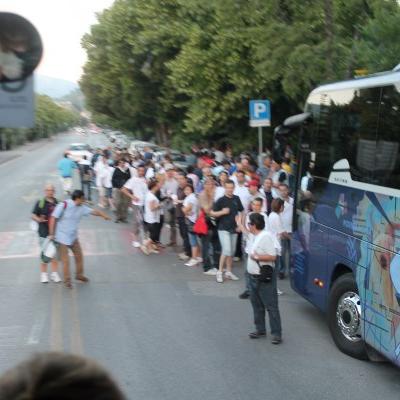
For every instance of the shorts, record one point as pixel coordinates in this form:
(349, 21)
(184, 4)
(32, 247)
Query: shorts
(228, 243)
(193, 238)
(153, 231)
(108, 192)
(66, 183)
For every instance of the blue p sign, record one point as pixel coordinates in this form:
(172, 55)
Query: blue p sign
(260, 113)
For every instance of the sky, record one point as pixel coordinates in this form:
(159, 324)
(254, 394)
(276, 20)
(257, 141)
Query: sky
(61, 25)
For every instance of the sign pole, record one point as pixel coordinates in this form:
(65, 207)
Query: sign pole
(260, 145)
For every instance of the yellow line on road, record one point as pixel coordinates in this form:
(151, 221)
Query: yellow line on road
(56, 333)
(76, 337)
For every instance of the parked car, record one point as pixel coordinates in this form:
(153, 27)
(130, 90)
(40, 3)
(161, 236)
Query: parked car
(78, 150)
(178, 158)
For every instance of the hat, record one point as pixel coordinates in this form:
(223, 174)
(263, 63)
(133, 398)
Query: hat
(168, 167)
(253, 182)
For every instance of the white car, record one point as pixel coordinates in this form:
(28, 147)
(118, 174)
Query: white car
(76, 151)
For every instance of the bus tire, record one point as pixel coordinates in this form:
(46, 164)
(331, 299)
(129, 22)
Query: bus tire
(344, 317)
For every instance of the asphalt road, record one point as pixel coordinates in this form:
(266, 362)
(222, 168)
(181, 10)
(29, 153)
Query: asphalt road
(163, 330)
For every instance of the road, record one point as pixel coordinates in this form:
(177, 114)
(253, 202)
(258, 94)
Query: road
(163, 330)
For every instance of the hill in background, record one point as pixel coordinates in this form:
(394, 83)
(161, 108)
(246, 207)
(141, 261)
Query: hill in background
(53, 87)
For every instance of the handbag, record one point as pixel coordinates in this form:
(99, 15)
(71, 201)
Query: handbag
(200, 227)
(266, 273)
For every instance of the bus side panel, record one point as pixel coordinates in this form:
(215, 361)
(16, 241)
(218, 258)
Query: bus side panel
(309, 265)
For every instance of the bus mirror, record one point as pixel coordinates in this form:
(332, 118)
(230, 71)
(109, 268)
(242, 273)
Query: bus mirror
(296, 121)
(281, 130)
(20, 47)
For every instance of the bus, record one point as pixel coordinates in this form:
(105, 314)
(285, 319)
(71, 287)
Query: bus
(345, 250)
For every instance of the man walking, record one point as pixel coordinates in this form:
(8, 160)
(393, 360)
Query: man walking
(66, 168)
(263, 286)
(64, 229)
(41, 214)
(136, 189)
(180, 217)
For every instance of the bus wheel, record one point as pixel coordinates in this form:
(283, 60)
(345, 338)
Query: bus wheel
(344, 317)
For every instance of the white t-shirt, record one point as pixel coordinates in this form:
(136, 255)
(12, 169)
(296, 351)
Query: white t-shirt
(138, 187)
(192, 199)
(275, 224)
(104, 176)
(170, 187)
(244, 195)
(151, 217)
(287, 215)
(150, 173)
(249, 235)
(262, 244)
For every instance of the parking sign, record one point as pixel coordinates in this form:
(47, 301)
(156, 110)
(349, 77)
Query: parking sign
(260, 113)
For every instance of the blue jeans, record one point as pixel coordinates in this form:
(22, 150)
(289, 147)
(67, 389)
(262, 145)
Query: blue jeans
(264, 297)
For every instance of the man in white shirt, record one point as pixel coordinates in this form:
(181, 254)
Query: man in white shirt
(170, 191)
(242, 191)
(262, 284)
(287, 219)
(136, 188)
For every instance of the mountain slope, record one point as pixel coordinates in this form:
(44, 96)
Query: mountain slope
(53, 87)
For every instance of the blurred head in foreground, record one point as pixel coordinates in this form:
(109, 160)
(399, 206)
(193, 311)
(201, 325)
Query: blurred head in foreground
(58, 376)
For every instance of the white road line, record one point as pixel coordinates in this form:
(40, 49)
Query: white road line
(36, 331)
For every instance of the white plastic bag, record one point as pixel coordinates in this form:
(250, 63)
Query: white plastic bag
(49, 249)
(34, 226)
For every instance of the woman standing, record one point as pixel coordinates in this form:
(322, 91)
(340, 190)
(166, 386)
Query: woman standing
(191, 210)
(210, 246)
(152, 208)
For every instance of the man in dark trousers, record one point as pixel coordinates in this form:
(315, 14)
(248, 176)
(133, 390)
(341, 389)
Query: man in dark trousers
(120, 176)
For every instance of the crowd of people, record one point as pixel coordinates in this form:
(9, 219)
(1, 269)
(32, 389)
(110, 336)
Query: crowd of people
(217, 211)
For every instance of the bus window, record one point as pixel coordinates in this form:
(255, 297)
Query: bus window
(387, 154)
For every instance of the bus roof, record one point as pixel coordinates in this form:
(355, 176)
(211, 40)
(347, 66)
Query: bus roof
(382, 79)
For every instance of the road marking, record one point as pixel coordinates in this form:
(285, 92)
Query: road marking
(36, 331)
(56, 334)
(76, 337)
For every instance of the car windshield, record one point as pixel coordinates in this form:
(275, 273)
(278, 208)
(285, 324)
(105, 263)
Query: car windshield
(79, 147)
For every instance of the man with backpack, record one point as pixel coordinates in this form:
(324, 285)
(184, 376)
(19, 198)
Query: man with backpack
(41, 214)
(64, 230)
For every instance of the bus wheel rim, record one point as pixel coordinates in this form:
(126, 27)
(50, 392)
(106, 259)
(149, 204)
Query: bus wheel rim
(348, 316)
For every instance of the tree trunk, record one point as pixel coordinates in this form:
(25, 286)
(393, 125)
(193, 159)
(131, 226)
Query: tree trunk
(330, 38)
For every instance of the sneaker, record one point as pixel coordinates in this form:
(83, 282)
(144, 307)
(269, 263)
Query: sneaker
(154, 251)
(144, 249)
(220, 277)
(276, 340)
(44, 277)
(136, 244)
(231, 276)
(192, 262)
(236, 259)
(183, 257)
(257, 335)
(55, 277)
(211, 272)
(199, 259)
(244, 295)
(279, 292)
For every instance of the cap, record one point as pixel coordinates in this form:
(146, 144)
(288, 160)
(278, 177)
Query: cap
(253, 182)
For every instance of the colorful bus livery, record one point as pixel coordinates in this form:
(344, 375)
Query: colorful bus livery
(346, 241)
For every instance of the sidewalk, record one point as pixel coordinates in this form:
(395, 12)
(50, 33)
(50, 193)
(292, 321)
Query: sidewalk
(9, 155)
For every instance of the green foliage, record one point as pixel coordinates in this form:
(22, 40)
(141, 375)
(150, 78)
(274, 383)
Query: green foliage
(184, 70)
